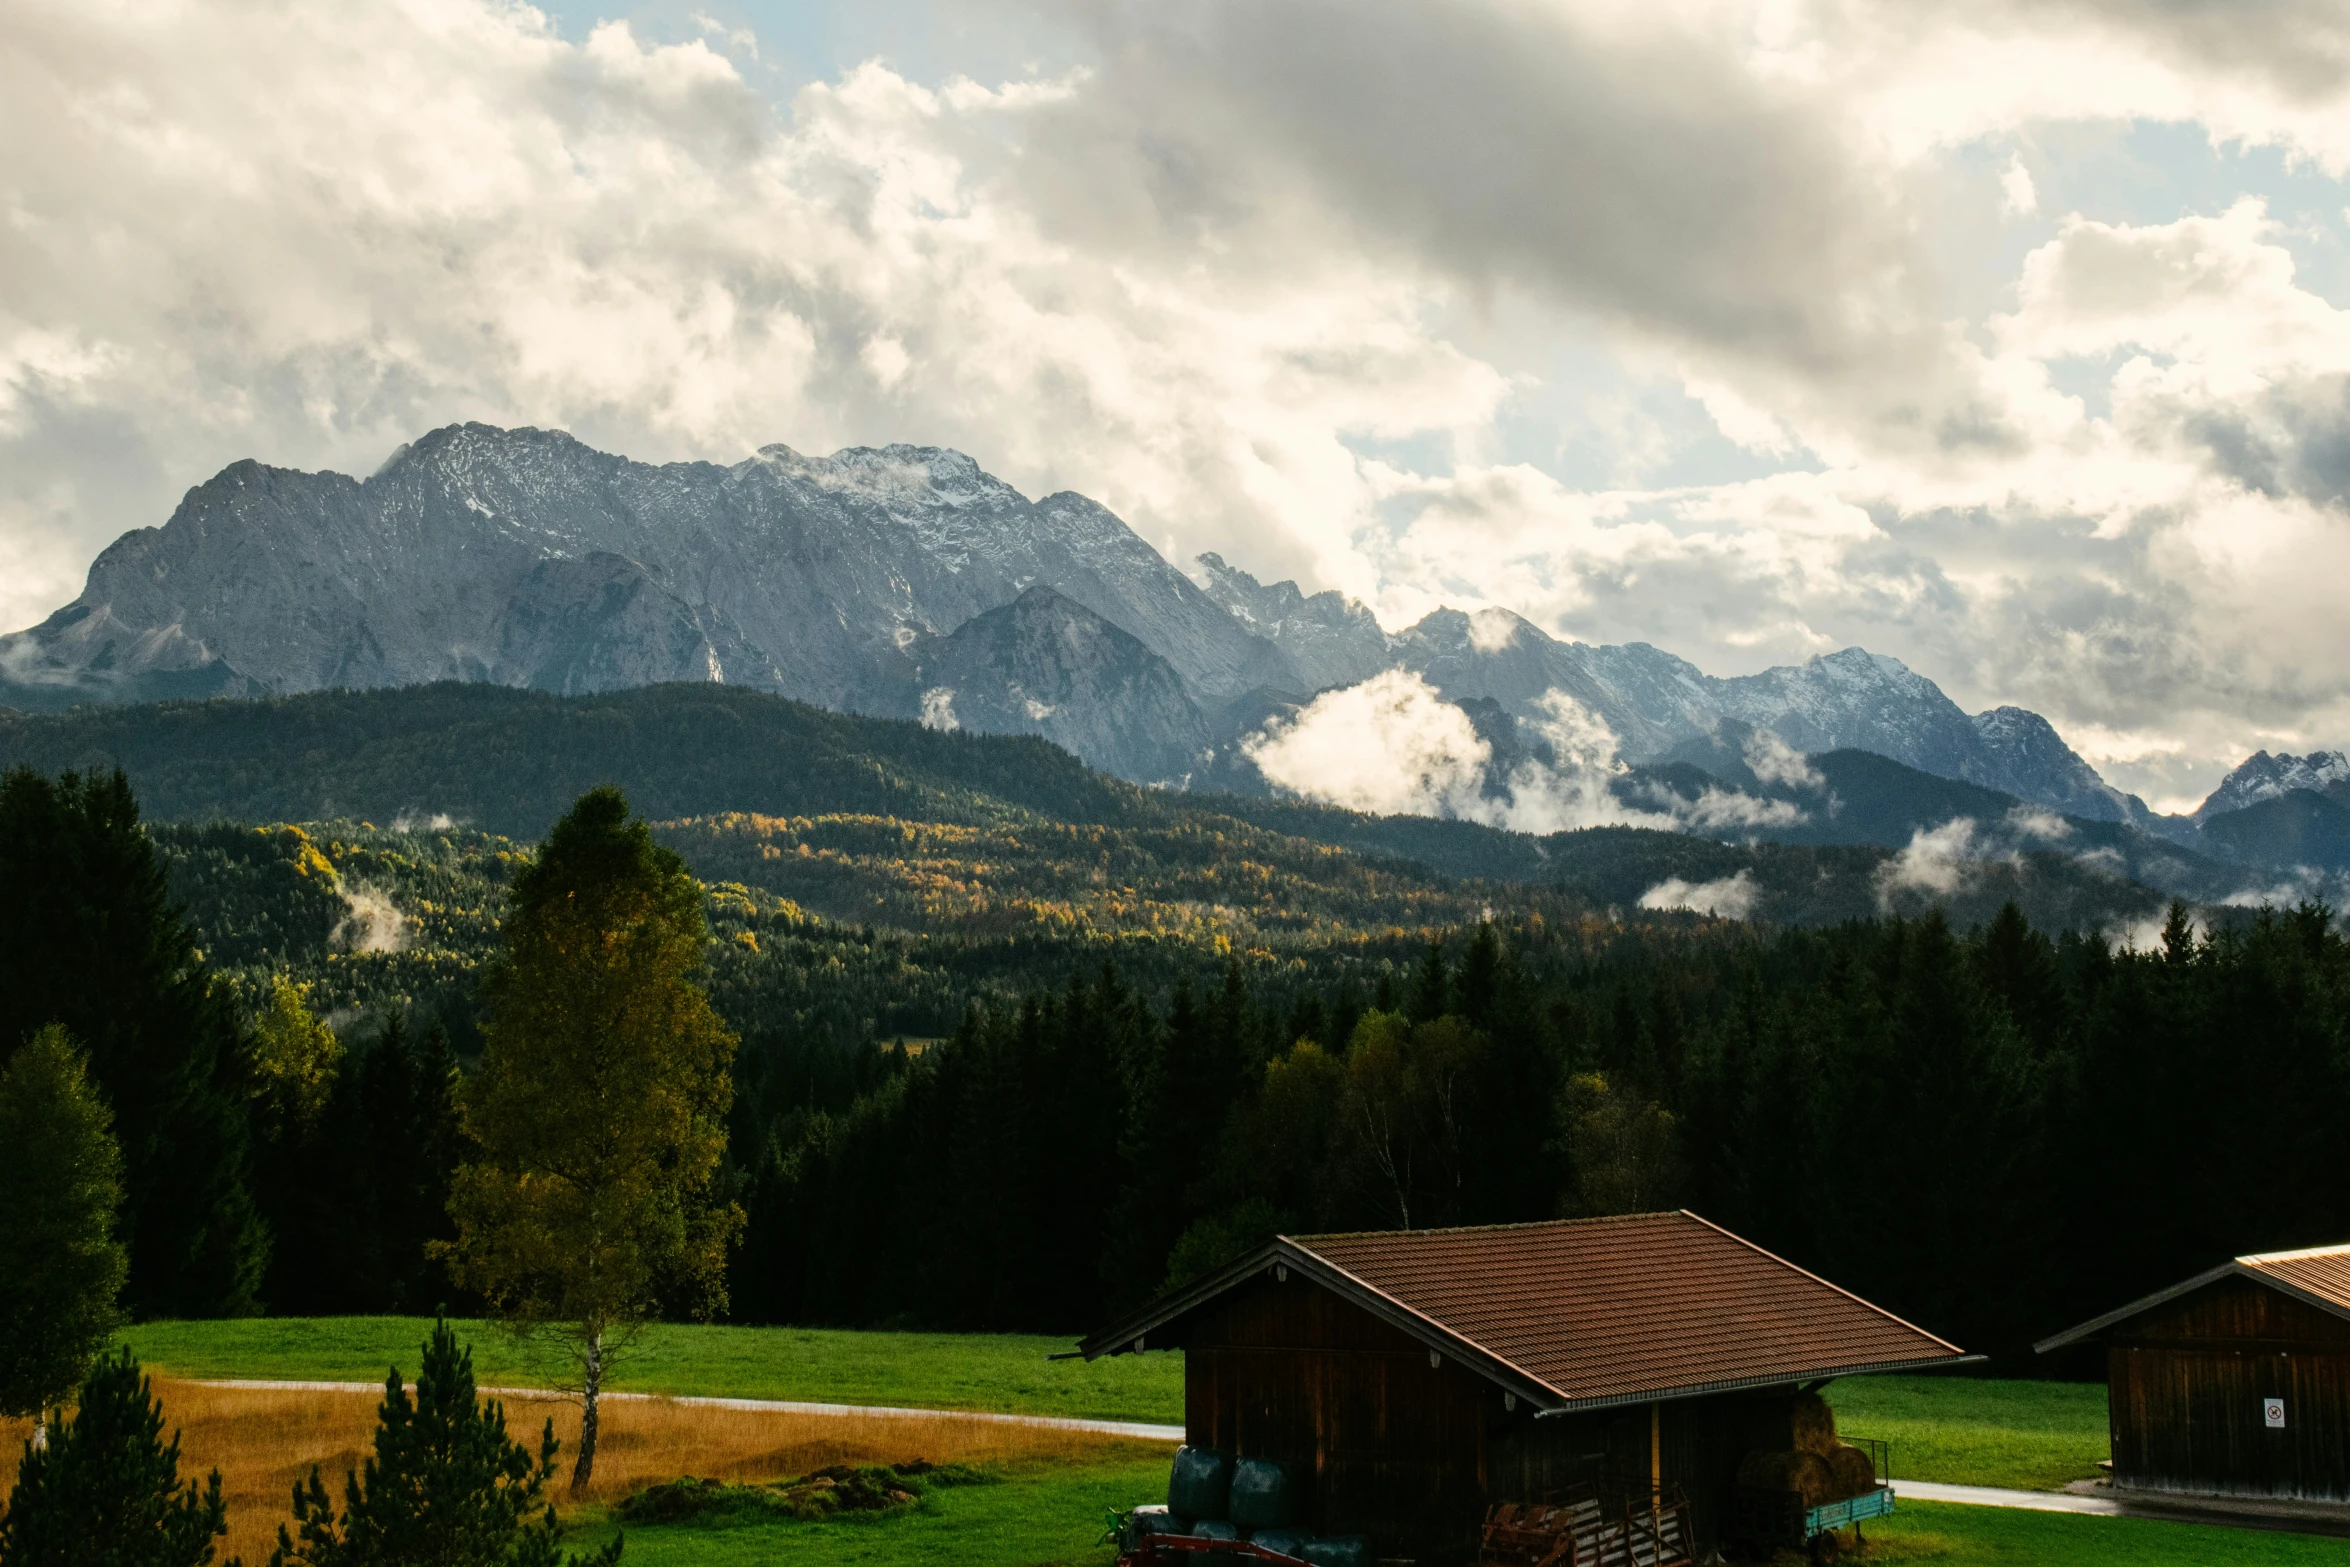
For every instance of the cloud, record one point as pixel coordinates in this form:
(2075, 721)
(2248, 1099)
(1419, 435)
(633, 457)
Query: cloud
(1393, 746)
(1293, 281)
(1937, 862)
(1732, 897)
(1390, 746)
(1770, 758)
(373, 923)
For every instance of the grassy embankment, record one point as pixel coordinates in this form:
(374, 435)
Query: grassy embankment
(1055, 1486)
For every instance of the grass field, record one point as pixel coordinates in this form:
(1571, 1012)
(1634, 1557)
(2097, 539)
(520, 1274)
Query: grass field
(2033, 1436)
(1004, 1372)
(1054, 1486)
(1998, 1537)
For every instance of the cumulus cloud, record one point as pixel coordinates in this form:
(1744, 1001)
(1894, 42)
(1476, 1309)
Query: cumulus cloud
(1393, 746)
(1731, 897)
(1770, 758)
(1284, 279)
(1937, 861)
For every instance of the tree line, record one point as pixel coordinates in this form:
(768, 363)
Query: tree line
(1994, 1132)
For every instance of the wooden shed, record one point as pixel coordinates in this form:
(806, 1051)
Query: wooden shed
(1422, 1375)
(2235, 1382)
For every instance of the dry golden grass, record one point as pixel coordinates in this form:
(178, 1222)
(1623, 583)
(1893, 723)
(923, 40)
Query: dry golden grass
(264, 1441)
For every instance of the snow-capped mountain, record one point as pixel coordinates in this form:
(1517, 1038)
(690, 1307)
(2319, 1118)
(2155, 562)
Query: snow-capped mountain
(901, 580)
(2264, 777)
(527, 558)
(1655, 702)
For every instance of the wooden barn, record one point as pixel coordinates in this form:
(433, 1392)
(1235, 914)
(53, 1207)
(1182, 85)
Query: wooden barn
(2235, 1382)
(1420, 1376)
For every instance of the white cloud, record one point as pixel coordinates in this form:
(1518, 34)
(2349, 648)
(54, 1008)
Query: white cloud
(1770, 758)
(1390, 746)
(1731, 897)
(1249, 243)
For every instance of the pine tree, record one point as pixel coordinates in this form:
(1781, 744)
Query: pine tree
(90, 939)
(446, 1488)
(60, 1187)
(598, 1117)
(106, 1491)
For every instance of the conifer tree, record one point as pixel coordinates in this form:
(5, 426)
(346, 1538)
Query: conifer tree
(106, 1491)
(61, 1264)
(446, 1488)
(90, 938)
(598, 1117)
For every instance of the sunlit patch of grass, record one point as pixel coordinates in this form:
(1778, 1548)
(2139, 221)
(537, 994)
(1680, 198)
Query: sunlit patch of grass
(2033, 1436)
(264, 1441)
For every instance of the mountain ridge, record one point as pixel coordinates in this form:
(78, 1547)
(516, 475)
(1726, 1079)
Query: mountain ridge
(527, 558)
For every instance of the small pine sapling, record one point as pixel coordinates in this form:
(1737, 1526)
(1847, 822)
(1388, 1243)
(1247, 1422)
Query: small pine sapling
(446, 1488)
(107, 1488)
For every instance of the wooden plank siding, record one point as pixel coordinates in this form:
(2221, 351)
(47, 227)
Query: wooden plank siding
(2186, 1383)
(1411, 1453)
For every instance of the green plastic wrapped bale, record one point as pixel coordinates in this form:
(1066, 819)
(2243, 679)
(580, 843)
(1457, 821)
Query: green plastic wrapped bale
(1339, 1550)
(1154, 1519)
(1217, 1529)
(1289, 1542)
(1200, 1485)
(1267, 1495)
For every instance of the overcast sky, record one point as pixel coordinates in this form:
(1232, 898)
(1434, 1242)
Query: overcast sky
(2012, 339)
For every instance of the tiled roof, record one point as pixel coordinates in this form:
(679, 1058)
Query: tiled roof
(1602, 1309)
(2323, 1271)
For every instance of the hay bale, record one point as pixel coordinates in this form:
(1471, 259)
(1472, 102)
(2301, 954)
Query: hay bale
(1200, 1484)
(1266, 1495)
(1814, 1425)
(1806, 1474)
(1855, 1471)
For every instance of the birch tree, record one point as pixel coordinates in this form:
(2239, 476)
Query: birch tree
(597, 1119)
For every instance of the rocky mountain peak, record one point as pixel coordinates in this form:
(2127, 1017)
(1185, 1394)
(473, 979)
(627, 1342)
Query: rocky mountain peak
(2261, 776)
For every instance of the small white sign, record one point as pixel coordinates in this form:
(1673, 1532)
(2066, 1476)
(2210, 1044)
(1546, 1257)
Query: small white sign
(2272, 1412)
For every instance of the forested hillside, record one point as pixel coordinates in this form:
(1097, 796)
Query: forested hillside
(1013, 1072)
(507, 762)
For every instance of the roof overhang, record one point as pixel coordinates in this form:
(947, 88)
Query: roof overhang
(2236, 1269)
(1132, 1333)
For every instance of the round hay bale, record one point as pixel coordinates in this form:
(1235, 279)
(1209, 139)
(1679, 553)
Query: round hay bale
(1814, 1425)
(1855, 1471)
(1806, 1474)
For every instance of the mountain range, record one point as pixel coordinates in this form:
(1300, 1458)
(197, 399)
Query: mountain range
(906, 582)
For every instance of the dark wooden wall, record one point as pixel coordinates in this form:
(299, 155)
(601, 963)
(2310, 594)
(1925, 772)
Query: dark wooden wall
(1397, 1446)
(2186, 1384)
(1410, 1453)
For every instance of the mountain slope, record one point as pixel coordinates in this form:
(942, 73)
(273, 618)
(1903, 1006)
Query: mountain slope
(1046, 665)
(526, 558)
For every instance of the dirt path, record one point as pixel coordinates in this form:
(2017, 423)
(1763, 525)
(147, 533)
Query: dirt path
(1147, 1433)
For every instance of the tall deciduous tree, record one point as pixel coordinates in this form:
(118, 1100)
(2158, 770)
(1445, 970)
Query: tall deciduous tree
(598, 1117)
(60, 1185)
(108, 1490)
(90, 938)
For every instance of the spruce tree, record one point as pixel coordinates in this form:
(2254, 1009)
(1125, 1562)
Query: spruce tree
(90, 938)
(106, 1491)
(446, 1488)
(598, 1118)
(60, 1186)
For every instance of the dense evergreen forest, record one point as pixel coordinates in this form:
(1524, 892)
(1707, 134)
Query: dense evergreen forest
(1039, 1071)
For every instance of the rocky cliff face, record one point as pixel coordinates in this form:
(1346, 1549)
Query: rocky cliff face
(524, 557)
(1046, 665)
(873, 580)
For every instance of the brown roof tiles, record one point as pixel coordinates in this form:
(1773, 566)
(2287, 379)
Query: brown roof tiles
(1607, 1309)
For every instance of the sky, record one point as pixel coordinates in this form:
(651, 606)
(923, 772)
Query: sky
(2011, 339)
